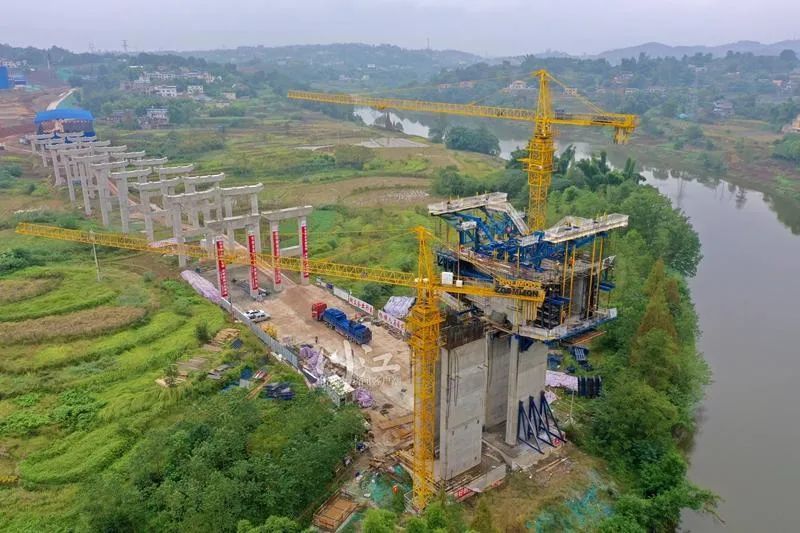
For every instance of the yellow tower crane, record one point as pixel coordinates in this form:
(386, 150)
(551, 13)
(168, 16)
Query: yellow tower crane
(541, 147)
(424, 321)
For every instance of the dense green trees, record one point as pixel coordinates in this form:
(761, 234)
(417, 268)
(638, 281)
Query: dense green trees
(474, 140)
(655, 382)
(230, 460)
(351, 156)
(788, 148)
(273, 524)
(439, 517)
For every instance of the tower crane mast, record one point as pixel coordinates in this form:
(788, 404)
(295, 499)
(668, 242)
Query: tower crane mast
(424, 321)
(541, 147)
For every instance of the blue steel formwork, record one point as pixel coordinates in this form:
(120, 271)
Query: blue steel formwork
(495, 241)
(536, 424)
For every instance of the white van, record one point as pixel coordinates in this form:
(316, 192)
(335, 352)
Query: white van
(257, 315)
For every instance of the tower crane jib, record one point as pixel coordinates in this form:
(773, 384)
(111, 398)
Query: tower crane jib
(541, 147)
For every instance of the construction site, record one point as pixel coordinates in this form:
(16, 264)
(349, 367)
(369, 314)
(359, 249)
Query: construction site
(453, 377)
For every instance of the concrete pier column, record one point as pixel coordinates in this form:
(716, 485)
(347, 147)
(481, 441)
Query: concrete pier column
(210, 243)
(302, 232)
(70, 179)
(124, 206)
(147, 213)
(230, 230)
(228, 201)
(257, 234)
(275, 247)
(177, 230)
(105, 200)
(194, 218)
(67, 165)
(90, 179)
(87, 204)
(254, 281)
(512, 407)
(56, 170)
(254, 204)
(218, 204)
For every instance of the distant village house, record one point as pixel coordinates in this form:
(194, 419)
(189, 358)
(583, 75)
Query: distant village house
(166, 91)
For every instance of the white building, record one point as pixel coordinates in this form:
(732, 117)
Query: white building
(166, 91)
(155, 117)
(517, 86)
(157, 113)
(163, 76)
(229, 95)
(194, 90)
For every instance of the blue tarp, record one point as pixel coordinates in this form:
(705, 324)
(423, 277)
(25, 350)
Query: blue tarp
(63, 114)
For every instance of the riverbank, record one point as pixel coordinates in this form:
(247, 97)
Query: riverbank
(745, 302)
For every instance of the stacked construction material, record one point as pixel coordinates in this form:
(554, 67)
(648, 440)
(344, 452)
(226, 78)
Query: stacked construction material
(363, 397)
(314, 361)
(279, 391)
(589, 386)
(562, 380)
(202, 285)
(399, 306)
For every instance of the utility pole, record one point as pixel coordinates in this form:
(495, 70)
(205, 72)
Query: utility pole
(125, 45)
(94, 253)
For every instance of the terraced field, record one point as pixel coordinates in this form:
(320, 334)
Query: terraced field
(78, 365)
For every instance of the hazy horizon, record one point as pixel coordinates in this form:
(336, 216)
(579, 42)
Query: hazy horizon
(483, 27)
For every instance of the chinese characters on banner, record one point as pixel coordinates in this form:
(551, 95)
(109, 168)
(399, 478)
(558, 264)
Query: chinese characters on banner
(276, 251)
(393, 322)
(360, 304)
(222, 274)
(304, 249)
(251, 245)
(385, 317)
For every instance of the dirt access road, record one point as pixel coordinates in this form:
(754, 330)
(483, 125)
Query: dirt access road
(17, 109)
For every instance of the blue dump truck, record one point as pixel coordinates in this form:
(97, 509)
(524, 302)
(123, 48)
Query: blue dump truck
(336, 319)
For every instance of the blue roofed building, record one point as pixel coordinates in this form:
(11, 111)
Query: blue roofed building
(57, 121)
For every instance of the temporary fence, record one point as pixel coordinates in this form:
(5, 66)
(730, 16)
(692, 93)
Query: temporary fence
(286, 354)
(387, 318)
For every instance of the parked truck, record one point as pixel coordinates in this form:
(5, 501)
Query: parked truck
(336, 319)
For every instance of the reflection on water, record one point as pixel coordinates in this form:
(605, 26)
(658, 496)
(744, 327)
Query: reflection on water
(787, 210)
(746, 296)
(418, 128)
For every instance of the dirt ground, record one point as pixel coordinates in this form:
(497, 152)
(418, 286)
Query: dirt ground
(383, 366)
(373, 190)
(17, 109)
(563, 477)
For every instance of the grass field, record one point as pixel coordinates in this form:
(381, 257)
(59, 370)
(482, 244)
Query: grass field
(80, 358)
(75, 381)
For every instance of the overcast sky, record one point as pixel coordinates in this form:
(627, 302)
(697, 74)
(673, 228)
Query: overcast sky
(486, 27)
